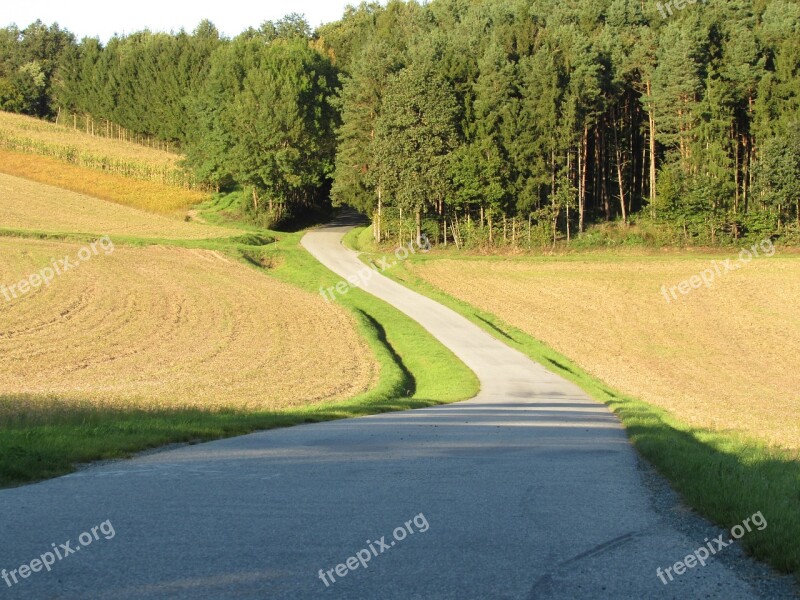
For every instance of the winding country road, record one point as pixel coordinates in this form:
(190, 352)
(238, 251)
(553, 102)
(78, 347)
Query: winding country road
(530, 490)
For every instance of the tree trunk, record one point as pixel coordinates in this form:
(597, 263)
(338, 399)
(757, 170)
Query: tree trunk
(569, 233)
(455, 226)
(418, 218)
(530, 224)
(380, 212)
(643, 167)
(631, 153)
(618, 156)
(582, 158)
(749, 153)
(735, 136)
(555, 223)
(621, 189)
(569, 179)
(255, 199)
(746, 174)
(652, 121)
(514, 231)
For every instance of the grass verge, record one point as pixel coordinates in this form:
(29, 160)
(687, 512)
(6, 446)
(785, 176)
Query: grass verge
(722, 475)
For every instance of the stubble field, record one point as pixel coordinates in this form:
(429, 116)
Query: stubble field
(722, 358)
(169, 328)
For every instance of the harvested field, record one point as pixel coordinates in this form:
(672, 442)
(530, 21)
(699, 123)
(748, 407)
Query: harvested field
(146, 195)
(33, 206)
(722, 358)
(161, 327)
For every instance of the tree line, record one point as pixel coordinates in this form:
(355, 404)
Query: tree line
(476, 122)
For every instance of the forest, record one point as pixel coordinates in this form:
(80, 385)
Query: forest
(479, 123)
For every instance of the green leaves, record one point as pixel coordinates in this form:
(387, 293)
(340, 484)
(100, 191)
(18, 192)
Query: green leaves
(28, 61)
(778, 170)
(269, 123)
(505, 107)
(414, 136)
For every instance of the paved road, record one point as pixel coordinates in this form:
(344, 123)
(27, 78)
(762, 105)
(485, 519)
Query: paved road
(530, 490)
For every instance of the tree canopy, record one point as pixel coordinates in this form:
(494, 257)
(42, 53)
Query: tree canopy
(558, 115)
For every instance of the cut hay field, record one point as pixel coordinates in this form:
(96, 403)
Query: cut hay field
(169, 328)
(32, 206)
(722, 359)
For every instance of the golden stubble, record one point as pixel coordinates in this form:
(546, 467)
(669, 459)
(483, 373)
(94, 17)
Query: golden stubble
(163, 327)
(723, 358)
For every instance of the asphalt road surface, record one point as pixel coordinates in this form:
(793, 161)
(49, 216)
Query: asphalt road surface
(530, 490)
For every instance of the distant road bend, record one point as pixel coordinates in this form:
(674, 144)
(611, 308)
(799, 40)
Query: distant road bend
(530, 490)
